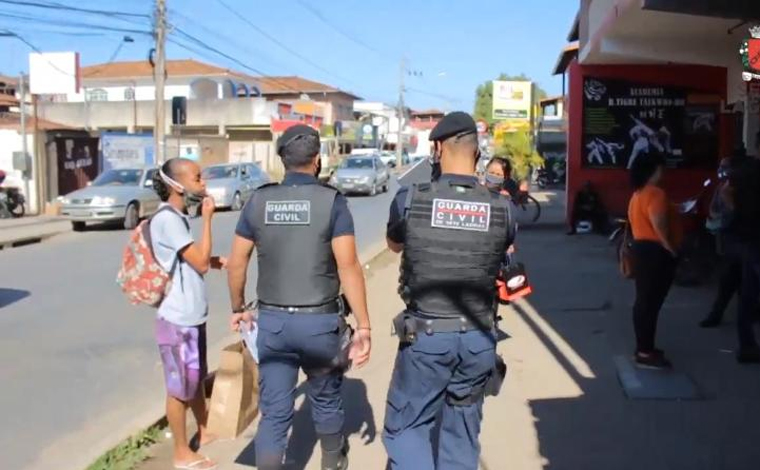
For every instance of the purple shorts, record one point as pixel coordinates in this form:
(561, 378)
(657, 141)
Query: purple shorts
(183, 355)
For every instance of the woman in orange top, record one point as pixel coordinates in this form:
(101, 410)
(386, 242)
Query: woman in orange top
(657, 237)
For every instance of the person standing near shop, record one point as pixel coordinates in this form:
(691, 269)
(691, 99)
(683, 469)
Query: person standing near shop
(743, 197)
(728, 247)
(657, 236)
(453, 233)
(304, 236)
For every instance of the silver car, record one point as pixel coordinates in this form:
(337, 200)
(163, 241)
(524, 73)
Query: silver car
(124, 195)
(232, 184)
(365, 174)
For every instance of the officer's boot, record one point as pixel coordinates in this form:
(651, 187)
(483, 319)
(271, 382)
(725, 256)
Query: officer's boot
(334, 451)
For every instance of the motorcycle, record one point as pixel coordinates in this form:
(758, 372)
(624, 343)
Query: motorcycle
(554, 176)
(11, 201)
(697, 257)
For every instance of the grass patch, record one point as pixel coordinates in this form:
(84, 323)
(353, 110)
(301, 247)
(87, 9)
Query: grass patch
(128, 454)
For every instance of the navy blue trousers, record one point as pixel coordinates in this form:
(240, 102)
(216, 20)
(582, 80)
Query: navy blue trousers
(287, 343)
(426, 372)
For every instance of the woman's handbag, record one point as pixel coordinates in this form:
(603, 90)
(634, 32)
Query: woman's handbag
(625, 253)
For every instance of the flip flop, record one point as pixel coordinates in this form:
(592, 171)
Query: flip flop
(195, 465)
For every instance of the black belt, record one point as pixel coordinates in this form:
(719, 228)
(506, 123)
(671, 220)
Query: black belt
(333, 306)
(430, 325)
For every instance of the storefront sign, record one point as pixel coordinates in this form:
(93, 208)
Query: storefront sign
(77, 162)
(127, 150)
(624, 120)
(750, 54)
(512, 100)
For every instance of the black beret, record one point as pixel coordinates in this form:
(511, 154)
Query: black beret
(456, 123)
(292, 133)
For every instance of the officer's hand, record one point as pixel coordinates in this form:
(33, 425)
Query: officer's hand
(237, 318)
(360, 348)
(208, 207)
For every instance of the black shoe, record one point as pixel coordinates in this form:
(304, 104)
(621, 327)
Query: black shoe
(654, 360)
(748, 356)
(710, 322)
(335, 459)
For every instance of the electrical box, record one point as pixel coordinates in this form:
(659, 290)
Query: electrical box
(22, 162)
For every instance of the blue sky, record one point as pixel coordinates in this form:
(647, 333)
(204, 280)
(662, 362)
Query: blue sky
(456, 44)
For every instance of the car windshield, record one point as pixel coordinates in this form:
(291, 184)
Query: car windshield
(357, 163)
(118, 178)
(220, 172)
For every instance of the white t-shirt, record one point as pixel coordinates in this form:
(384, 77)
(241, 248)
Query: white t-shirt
(186, 303)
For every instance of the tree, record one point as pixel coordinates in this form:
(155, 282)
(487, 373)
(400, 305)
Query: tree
(484, 96)
(517, 147)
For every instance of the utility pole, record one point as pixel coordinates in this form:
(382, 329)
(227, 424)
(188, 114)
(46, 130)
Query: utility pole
(24, 149)
(159, 79)
(400, 112)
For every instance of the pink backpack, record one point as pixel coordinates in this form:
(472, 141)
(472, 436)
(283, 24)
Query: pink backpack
(141, 277)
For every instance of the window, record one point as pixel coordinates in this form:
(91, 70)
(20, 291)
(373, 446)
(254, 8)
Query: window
(97, 94)
(149, 178)
(129, 94)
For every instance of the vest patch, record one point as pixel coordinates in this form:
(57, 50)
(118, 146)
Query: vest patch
(461, 215)
(288, 213)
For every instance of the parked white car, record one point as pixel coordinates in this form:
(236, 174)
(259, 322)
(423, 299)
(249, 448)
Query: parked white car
(125, 195)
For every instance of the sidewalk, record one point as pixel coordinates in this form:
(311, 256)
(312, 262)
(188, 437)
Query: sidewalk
(562, 406)
(30, 229)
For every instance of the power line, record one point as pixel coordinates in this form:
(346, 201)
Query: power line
(342, 32)
(61, 6)
(210, 48)
(434, 95)
(71, 24)
(198, 27)
(10, 33)
(56, 32)
(278, 42)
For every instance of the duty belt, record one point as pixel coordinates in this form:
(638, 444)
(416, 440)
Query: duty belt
(407, 325)
(430, 325)
(334, 306)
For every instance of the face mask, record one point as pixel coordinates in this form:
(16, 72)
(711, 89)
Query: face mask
(493, 180)
(192, 200)
(319, 167)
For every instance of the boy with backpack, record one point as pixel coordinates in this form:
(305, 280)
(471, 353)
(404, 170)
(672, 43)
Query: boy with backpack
(164, 267)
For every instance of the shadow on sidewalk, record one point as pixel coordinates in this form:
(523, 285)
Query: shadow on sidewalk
(581, 316)
(303, 441)
(11, 296)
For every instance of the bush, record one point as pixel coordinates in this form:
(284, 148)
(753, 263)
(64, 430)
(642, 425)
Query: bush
(518, 148)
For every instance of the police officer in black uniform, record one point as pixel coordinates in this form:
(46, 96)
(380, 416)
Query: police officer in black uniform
(453, 233)
(304, 236)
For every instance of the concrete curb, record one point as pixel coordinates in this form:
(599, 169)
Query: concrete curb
(22, 232)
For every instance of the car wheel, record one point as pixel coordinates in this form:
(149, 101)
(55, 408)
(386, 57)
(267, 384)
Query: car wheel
(131, 216)
(237, 202)
(78, 226)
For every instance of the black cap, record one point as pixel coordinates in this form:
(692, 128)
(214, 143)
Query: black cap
(456, 123)
(292, 133)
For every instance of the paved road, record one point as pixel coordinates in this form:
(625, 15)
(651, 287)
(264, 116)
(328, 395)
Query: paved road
(79, 365)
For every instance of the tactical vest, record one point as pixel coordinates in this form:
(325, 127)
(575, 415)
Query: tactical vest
(294, 244)
(456, 238)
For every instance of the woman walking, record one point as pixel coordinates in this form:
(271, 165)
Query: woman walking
(657, 237)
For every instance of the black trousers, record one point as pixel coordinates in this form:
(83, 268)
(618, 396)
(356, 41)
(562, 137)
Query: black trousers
(748, 296)
(654, 271)
(730, 275)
